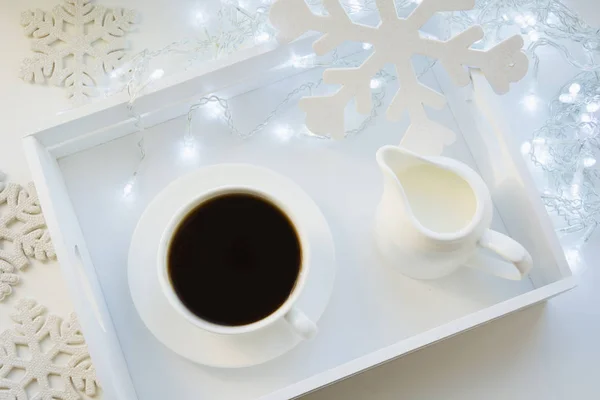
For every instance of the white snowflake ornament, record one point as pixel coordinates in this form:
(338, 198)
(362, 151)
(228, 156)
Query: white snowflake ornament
(44, 357)
(395, 40)
(23, 233)
(75, 44)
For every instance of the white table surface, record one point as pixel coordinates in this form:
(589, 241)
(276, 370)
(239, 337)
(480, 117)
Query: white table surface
(550, 351)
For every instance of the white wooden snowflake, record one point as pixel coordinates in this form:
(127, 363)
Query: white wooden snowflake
(43, 357)
(395, 40)
(23, 233)
(75, 44)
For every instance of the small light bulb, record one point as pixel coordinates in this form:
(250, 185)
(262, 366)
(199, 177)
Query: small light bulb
(593, 107)
(262, 37)
(188, 150)
(200, 17)
(505, 17)
(214, 109)
(526, 148)
(531, 102)
(295, 60)
(589, 162)
(565, 98)
(530, 19)
(157, 74)
(575, 189)
(302, 61)
(585, 117)
(534, 36)
(284, 132)
(128, 189)
(375, 83)
(367, 46)
(543, 157)
(520, 20)
(574, 88)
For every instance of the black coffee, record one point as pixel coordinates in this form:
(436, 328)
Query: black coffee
(234, 259)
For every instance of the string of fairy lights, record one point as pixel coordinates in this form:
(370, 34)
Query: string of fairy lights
(566, 148)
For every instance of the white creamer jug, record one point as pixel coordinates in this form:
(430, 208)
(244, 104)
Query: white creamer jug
(434, 216)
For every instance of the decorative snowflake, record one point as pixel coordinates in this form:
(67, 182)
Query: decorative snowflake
(44, 357)
(75, 44)
(23, 233)
(395, 40)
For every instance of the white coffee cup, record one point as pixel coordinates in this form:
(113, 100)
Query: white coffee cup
(297, 320)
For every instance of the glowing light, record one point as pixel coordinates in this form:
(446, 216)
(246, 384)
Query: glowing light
(302, 61)
(574, 88)
(534, 36)
(586, 131)
(262, 37)
(589, 162)
(295, 60)
(565, 98)
(157, 74)
(214, 109)
(505, 17)
(284, 132)
(540, 151)
(200, 18)
(520, 20)
(375, 83)
(128, 188)
(367, 46)
(585, 117)
(530, 19)
(575, 189)
(526, 148)
(115, 73)
(188, 150)
(593, 107)
(531, 102)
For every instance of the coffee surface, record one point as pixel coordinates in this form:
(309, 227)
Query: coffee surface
(234, 259)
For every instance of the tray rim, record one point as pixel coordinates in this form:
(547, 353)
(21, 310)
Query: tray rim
(44, 147)
(422, 340)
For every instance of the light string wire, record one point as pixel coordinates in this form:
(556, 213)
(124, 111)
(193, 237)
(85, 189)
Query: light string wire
(246, 25)
(544, 22)
(566, 148)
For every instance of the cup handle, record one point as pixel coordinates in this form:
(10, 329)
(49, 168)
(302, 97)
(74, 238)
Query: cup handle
(300, 323)
(516, 261)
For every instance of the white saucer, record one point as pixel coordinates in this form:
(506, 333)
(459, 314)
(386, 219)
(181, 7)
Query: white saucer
(190, 341)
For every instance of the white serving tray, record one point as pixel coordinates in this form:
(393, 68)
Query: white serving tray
(82, 162)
